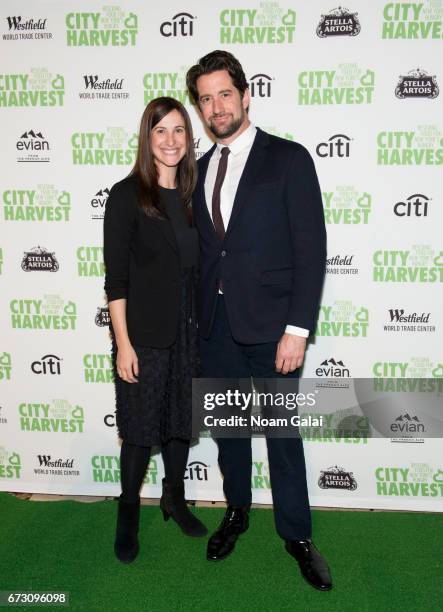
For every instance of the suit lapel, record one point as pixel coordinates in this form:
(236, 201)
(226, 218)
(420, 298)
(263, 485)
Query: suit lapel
(251, 170)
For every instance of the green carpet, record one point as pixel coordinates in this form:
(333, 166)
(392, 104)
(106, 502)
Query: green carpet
(380, 561)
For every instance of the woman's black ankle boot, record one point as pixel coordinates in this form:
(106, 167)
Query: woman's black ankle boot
(126, 537)
(173, 504)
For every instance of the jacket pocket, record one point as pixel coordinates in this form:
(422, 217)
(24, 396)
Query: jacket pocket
(276, 277)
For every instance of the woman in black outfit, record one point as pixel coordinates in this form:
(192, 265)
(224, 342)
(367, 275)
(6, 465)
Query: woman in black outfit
(151, 253)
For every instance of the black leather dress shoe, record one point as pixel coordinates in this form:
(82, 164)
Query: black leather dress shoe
(313, 567)
(222, 542)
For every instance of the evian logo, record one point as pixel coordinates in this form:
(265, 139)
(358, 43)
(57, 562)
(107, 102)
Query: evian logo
(39, 259)
(16, 23)
(338, 22)
(98, 203)
(336, 146)
(405, 423)
(93, 82)
(333, 369)
(337, 478)
(417, 84)
(33, 147)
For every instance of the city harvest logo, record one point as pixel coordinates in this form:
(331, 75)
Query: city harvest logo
(33, 147)
(338, 22)
(343, 319)
(197, 470)
(98, 368)
(98, 204)
(417, 480)
(416, 367)
(1, 260)
(52, 312)
(106, 469)
(330, 368)
(10, 464)
(417, 84)
(39, 259)
(45, 203)
(341, 264)
(346, 206)
(97, 88)
(260, 475)
(338, 427)
(112, 147)
(260, 86)
(420, 264)
(20, 28)
(337, 145)
(275, 132)
(337, 478)
(412, 20)
(55, 467)
(399, 321)
(422, 147)
(182, 24)
(110, 28)
(57, 417)
(38, 88)
(270, 25)
(171, 84)
(347, 84)
(5, 366)
(407, 428)
(416, 205)
(90, 261)
(47, 365)
(102, 317)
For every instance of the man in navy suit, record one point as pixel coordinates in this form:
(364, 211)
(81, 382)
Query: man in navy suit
(258, 210)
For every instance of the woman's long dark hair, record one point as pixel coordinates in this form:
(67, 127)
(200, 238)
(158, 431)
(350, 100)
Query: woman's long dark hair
(145, 168)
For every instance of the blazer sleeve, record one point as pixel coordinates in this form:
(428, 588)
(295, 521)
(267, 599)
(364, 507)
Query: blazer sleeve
(118, 232)
(308, 232)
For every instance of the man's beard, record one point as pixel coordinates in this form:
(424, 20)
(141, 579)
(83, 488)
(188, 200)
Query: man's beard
(228, 129)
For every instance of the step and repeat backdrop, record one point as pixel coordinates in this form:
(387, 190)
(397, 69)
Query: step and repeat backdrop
(359, 86)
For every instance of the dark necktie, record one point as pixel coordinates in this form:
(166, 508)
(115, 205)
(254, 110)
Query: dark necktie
(217, 218)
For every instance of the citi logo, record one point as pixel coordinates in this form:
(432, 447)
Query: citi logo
(109, 420)
(91, 81)
(181, 24)
(49, 364)
(415, 206)
(197, 470)
(15, 23)
(336, 146)
(260, 86)
(333, 369)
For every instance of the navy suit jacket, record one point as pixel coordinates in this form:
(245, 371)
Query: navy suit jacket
(272, 259)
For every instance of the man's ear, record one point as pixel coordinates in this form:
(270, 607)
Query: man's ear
(246, 99)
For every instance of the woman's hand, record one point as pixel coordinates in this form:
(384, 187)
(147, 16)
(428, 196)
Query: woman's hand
(127, 363)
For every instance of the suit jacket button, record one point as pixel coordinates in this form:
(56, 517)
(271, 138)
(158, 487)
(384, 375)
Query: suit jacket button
(223, 253)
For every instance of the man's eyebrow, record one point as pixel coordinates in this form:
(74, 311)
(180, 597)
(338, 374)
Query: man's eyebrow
(227, 90)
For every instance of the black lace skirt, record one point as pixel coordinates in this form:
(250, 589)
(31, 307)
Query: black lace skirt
(159, 407)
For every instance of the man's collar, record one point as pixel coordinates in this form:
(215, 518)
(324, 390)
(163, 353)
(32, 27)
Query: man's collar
(243, 141)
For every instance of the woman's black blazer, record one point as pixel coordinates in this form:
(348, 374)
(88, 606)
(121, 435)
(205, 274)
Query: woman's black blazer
(142, 266)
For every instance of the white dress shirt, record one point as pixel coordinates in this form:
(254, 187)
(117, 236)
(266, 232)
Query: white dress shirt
(239, 152)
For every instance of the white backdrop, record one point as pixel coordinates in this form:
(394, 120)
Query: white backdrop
(359, 89)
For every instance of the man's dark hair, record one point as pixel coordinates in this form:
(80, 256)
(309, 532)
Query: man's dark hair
(216, 60)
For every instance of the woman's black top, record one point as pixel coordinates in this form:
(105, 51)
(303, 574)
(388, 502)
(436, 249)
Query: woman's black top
(143, 257)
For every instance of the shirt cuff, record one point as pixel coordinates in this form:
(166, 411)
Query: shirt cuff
(297, 331)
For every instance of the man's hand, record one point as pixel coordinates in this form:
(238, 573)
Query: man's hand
(290, 353)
